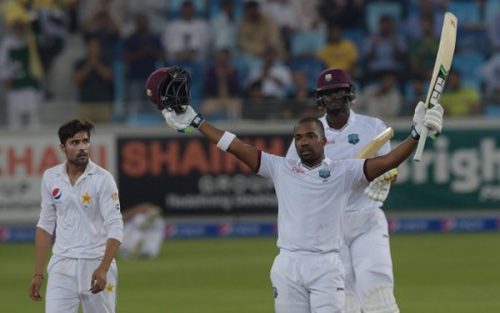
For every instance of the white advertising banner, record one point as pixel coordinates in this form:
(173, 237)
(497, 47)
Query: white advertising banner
(23, 159)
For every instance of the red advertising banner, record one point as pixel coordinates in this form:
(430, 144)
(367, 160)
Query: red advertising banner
(189, 175)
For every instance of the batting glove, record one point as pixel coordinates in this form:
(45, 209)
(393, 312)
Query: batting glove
(379, 188)
(432, 118)
(182, 122)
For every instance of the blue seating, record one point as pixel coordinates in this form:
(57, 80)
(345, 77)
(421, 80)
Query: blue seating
(467, 12)
(492, 7)
(374, 10)
(468, 65)
(213, 8)
(355, 35)
(310, 66)
(470, 40)
(307, 42)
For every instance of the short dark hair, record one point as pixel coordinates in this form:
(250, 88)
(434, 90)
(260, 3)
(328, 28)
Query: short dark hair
(72, 127)
(311, 120)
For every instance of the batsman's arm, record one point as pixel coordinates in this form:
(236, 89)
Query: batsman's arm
(379, 165)
(244, 152)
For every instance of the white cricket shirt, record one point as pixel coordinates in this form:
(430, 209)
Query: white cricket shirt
(85, 215)
(311, 202)
(346, 143)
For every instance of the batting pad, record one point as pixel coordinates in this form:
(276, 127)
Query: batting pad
(351, 303)
(381, 300)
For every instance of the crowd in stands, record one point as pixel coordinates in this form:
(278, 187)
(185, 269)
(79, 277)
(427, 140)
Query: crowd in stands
(247, 59)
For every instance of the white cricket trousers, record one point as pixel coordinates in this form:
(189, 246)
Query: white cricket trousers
(68, 286)
(305, 282)
(367, 261)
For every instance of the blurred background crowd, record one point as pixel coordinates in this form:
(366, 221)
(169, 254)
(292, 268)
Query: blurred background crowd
(251, 60)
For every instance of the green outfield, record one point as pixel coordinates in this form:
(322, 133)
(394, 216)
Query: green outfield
(452, 273)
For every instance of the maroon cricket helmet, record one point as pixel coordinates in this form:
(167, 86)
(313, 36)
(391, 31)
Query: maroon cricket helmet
(333, 78)
(168, 88)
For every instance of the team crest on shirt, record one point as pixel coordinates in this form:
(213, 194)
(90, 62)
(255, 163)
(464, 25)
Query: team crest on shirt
(353, 138)
(56, 193)
(86, 199)
(324, 173)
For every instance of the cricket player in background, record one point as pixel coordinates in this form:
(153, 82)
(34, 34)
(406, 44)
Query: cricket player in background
(313, 192)
(80, 202)
(143, 232)
(365, 252)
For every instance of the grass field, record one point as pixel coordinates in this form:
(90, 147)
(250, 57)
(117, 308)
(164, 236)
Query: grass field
(435, 273)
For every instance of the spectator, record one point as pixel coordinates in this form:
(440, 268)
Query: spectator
(422, 50)
(285, 16)
(339, 53)
(20, 69)
(94, 78)
(106, 30)
(415, 91)
(257, 32)
(426, 10)
(382, 99)
(301, 101)
(490, 72)
(50, 28)
(308, 19)
(142, 54)
(274, 77)
(385, 50)
(187, 39)
(458, 100)
(348, 13)
(224, 26)
(222, 88)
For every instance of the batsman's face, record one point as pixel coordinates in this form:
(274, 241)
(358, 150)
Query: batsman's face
(310, 143)
(77, 149)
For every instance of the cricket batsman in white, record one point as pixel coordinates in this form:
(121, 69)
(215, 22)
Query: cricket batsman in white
(313, 192)
(365, 251)
(80, 203)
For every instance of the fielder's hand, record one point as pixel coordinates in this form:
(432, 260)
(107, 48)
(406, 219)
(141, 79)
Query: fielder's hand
(180, 121)
(378, 189)
(432, 118)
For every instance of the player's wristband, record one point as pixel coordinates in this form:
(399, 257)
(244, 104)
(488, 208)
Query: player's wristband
(197, 121)
(413, 133)
(38, 274)
(225, 141)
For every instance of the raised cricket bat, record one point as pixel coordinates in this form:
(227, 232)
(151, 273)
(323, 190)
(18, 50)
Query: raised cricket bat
(369, 150)
(441, 70)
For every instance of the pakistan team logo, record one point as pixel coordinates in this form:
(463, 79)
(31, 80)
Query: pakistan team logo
(353, 139)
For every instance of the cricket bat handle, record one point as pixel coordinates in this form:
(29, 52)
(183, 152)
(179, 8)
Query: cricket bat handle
(421, 144)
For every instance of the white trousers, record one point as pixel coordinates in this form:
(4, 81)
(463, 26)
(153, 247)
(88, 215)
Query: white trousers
(68, 286)
(308, 283)
(366, 256)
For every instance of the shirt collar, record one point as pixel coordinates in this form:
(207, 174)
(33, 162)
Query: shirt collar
(325, 162)
(90, 169)
(351, 119)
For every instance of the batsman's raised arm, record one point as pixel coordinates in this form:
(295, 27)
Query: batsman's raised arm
(431, 118)
(168, 89)
(245, 152)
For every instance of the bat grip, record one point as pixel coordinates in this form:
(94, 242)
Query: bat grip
(421, 144)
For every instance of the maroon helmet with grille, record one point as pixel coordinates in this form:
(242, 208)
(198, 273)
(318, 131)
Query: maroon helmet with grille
(168, 88)
(333, 78)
